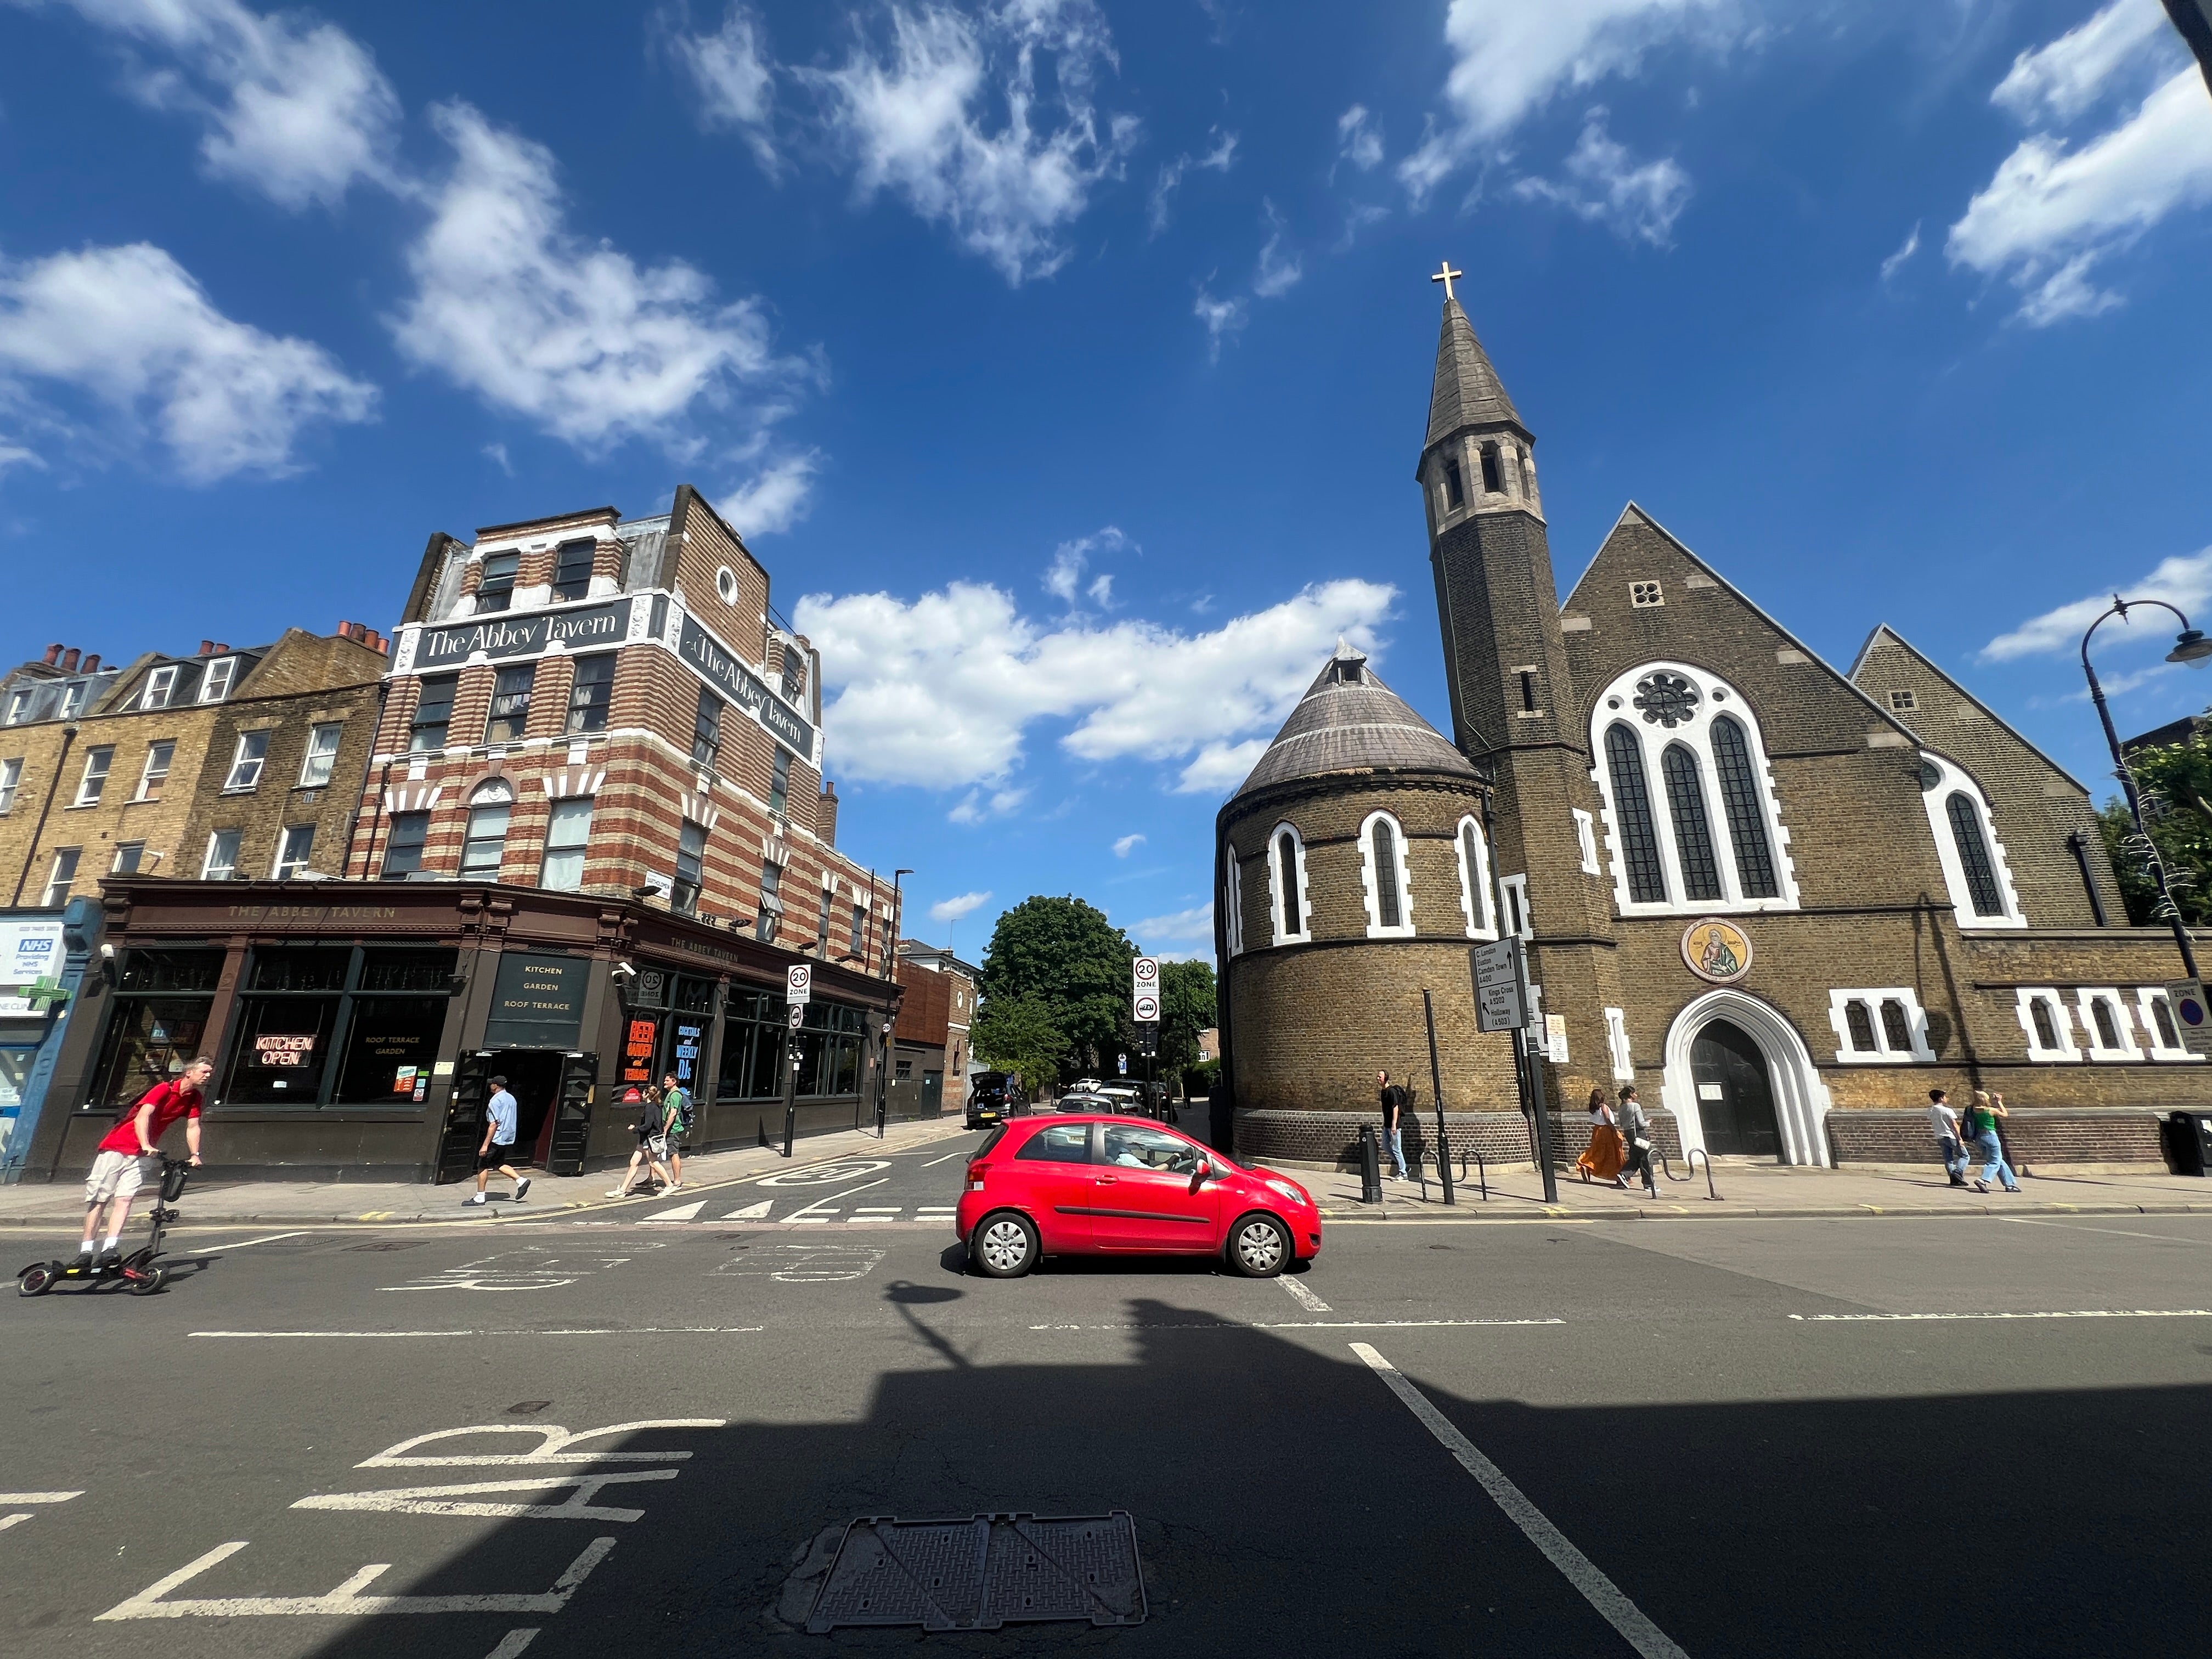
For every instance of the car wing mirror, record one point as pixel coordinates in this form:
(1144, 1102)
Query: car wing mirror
(1199, 1173)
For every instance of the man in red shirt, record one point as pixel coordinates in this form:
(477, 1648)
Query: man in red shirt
(130, 1148)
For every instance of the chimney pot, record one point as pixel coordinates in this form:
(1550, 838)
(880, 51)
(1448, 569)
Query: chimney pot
(69, 661)
(207, 648)
(92, 664)
(53, 653)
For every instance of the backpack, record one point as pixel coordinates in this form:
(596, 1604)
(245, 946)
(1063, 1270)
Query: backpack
(682, 1111)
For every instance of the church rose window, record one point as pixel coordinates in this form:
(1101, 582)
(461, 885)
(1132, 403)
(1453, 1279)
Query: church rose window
(1631, 800)
(1694, 834)
(1386, 877)
(1754, 859)
(1667, 700)
(1974, 856)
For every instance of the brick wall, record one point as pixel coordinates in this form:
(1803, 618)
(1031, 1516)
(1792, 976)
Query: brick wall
(2030, 1136)
(1502, 1138)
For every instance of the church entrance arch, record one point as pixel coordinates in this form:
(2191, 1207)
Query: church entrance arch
(1741, 1080)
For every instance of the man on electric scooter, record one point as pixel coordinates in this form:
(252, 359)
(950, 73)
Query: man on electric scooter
(128, 1152)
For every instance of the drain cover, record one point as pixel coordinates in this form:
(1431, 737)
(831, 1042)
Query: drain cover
(983, 1572)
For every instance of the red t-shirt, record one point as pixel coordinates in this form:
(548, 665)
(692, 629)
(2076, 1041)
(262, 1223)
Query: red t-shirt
(171, 1101)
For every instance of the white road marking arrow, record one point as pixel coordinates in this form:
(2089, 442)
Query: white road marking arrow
(751, 1211)
(681, 1212)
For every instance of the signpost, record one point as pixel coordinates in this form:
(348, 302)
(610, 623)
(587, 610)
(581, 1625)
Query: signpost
(1144, 1010)
(1503, 1003)
(798, 992)
(2192, 1014)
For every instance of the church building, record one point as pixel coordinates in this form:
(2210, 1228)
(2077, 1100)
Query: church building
(1783, 899)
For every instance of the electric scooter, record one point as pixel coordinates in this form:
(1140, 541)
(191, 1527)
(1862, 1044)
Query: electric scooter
(142, 1270)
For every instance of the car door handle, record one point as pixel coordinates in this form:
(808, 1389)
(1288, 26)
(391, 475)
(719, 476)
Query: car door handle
(1107, 1181)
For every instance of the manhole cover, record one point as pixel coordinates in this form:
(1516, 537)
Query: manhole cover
(983, 1572)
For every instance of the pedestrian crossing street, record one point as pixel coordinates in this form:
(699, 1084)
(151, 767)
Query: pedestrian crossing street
(796, 1211)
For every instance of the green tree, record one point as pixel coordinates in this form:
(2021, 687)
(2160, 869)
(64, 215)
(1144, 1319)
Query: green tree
(1066, 955)
(1187, 993)
(1016, 1034)
(2175, 784)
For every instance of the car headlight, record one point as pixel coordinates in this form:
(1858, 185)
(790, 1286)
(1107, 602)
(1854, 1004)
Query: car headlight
(1297, 1195)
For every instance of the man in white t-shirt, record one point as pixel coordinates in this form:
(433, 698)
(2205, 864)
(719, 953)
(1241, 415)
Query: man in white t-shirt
(1945, 1122)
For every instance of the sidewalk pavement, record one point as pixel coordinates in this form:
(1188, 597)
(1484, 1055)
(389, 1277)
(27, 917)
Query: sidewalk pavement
(1749, 1188)
(385, 1204)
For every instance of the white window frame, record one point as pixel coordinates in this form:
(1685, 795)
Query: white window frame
(2147, 998)
(137, 863)
(1277, 877)
(58, 880)
(19, 704)
(548, 850)
(1953, 778)
(1233, 896)
(208, 867)
(1370, 889)
(1616, 1043)
(2130, 1049)
(11, 779)
(161, 686)
(1883, 1054)
(1475, 902)
(2061, 1018)
(317, 752)
(1513, 894)
(240, 759)
(285, 866)
(1586, 841)
(214, 682)
(1716, 696)
(147, 774)
(91, 786)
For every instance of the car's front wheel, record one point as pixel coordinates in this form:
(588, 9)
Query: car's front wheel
(1259, 1247)
(1005, 1245)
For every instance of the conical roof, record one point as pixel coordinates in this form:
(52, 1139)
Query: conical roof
(1467, 392)
(1350, 721)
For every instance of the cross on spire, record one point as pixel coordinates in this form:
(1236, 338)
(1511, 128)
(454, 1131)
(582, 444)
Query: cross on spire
(1445, 276)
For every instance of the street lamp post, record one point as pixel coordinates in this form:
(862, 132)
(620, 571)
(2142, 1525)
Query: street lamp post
(2193, 648)
(890, 956)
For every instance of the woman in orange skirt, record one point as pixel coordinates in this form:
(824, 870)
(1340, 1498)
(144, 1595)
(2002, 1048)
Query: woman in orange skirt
(1602, 1158)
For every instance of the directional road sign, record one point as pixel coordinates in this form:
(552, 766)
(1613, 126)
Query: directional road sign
(2192, 1014)
(1501, 994)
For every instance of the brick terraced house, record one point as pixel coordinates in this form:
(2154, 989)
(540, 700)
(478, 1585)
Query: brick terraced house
(1785, 900)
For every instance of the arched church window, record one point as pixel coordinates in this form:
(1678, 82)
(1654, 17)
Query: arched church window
(1389, 897)
(1897, 1025)
(2047, 1028)
(2162, 1012)
(1631, 800)
(1694, 834)
(1861, 1025)
(1287, 886)
(1493, 477)
(1747, 824)
(1973, 854)
(1386, 876)
(1234, 897)
(2108, 1030)
(1474, 880)
(1454, 487)
(1287, 854)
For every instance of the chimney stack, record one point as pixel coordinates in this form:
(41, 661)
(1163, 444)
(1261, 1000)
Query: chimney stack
(53, 653)
(69, 661)
(207, 648)
(92, 664)
(825, 814)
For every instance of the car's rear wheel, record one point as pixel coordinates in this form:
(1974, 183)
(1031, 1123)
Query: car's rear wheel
(1259, 1247)
(1005, 1245)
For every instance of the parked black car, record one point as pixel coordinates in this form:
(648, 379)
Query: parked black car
(994, 1098)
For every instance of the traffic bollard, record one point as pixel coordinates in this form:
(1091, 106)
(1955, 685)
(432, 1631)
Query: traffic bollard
(1370, 1166)
(790, 1128)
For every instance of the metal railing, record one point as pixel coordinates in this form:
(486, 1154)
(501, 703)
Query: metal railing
(1690, 1161)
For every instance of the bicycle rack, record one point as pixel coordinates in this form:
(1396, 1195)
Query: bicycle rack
(1689, 1160)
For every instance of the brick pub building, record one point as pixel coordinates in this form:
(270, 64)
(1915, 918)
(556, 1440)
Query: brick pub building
(589, 836)
(1783, 899)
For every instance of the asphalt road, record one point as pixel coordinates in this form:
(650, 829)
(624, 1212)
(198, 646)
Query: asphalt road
(1737, 1438)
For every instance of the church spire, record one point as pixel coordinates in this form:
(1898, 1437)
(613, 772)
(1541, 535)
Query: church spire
(1467, 392)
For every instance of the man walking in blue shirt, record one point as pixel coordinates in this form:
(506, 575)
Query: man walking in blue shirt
(498, 1143)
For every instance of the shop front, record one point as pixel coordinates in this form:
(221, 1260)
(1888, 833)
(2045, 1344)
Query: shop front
(355, 1030)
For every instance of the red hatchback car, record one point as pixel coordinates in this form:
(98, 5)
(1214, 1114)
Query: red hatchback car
(1063, 1186)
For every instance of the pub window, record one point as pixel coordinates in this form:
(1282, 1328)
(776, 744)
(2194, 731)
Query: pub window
(1455, 488)
(706, 728)
(402, 849)
(571, 568)
(568, 831)
(155, 772)
(295, 847)
(247, 761)
(58, 878)
(690, 868)
(752, 1046)
(129, 855)
(322, 756)
(434, 713)
(394, 1027)
(11, 779)
(771, 899)
(510, 703)
(92, 783)
(162, 1001)
(214, 682)
(778, 783)
(829, 1037)
(590, 692)
(693, 1017)
(860, 943)
(485, 842)
(220, 862)
(161, 686)
(287, 1015)
(495, 590)
(822, 923)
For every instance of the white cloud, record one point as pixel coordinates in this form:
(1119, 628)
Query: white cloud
(1101, 590)
(1905, 250)
(1220, 766)
(1511, 57)
(1221, 318)
(774, 498)
(732, 72)
(2184, 582)
(2051, 214)
(1063, 577)
(940, 691)
(917, 117)
(1605, 185)
(2060, 80)
(1192, 925)
(1278, 274)
(498, 452)
(129, 327)
(578, 337)
(1127, 845)
(952, 909)
(1359, 139)
(975, 807)
(1220, 159)
(294, 108)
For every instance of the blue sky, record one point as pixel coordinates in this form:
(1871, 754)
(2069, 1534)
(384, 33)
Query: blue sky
(1067, 363)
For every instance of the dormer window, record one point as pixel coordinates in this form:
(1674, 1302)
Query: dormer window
(214, 684)
(1351, 671)
(18, 705)
(72, 699)
(495, 590)
(1455, 488)
(160, 685)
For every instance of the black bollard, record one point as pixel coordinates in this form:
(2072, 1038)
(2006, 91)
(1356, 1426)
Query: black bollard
(790, 1128)
(1370, 1166)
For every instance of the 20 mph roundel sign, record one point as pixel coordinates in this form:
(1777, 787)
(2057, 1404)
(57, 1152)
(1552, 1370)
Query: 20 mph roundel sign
(799, 983)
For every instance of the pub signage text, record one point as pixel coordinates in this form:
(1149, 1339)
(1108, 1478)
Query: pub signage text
(745, 688)
(524, 636)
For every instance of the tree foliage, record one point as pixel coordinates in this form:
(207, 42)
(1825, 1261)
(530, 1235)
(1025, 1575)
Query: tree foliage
(1064, 953)
(2175, 784)
(1016, 1034)
(1186, 1008)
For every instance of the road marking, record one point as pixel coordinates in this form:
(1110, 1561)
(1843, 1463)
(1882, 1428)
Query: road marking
(38, 1496)
(681, 1212)
(1600, 1591)
(1309, 1325)
(824, 1202)
(752, 1211)
(212, 1249)
(963, 1152)
(626, 1330)
(2115, 1232)
(347, 1600)
(512, 1644)
(2074, 1313)
(554, 1445)
(454, 1500)
(1304, 1297)
(824, 1174)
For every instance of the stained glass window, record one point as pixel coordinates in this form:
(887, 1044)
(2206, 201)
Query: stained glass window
(1861, 1025)
(1386, 876)
(1693, 832)
(1747, 823)
(1631, 803)
(1896, 1026)
(1286, 875)
(1974, 856)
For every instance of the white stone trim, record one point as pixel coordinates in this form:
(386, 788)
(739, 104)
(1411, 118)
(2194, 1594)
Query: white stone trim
(1916, 1019)
(2147, 998)
(1475, 897)
(568, 784)
(1234, 927)
(1801, 1098)
(1586, 841)
(1616, 1043)
(1516, 918)
(1935, 801)
(1370, 891)
(1277, 879)
(413, 800)
(2062, 1020)
(2124, 1024)
(1716, 696)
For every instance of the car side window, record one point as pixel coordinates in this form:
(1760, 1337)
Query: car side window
(1061, 1143)
(1150, 1149)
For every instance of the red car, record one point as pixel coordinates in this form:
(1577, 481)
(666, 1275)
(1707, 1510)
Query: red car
(1061, 1186)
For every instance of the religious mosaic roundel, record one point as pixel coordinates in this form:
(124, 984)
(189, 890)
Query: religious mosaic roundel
(1716, 951)
(1667, 700)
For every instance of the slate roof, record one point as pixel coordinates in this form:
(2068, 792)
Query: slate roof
(1466, 390)
(1350, 721)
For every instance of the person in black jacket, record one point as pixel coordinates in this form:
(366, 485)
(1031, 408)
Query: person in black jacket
(1395, 1101)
